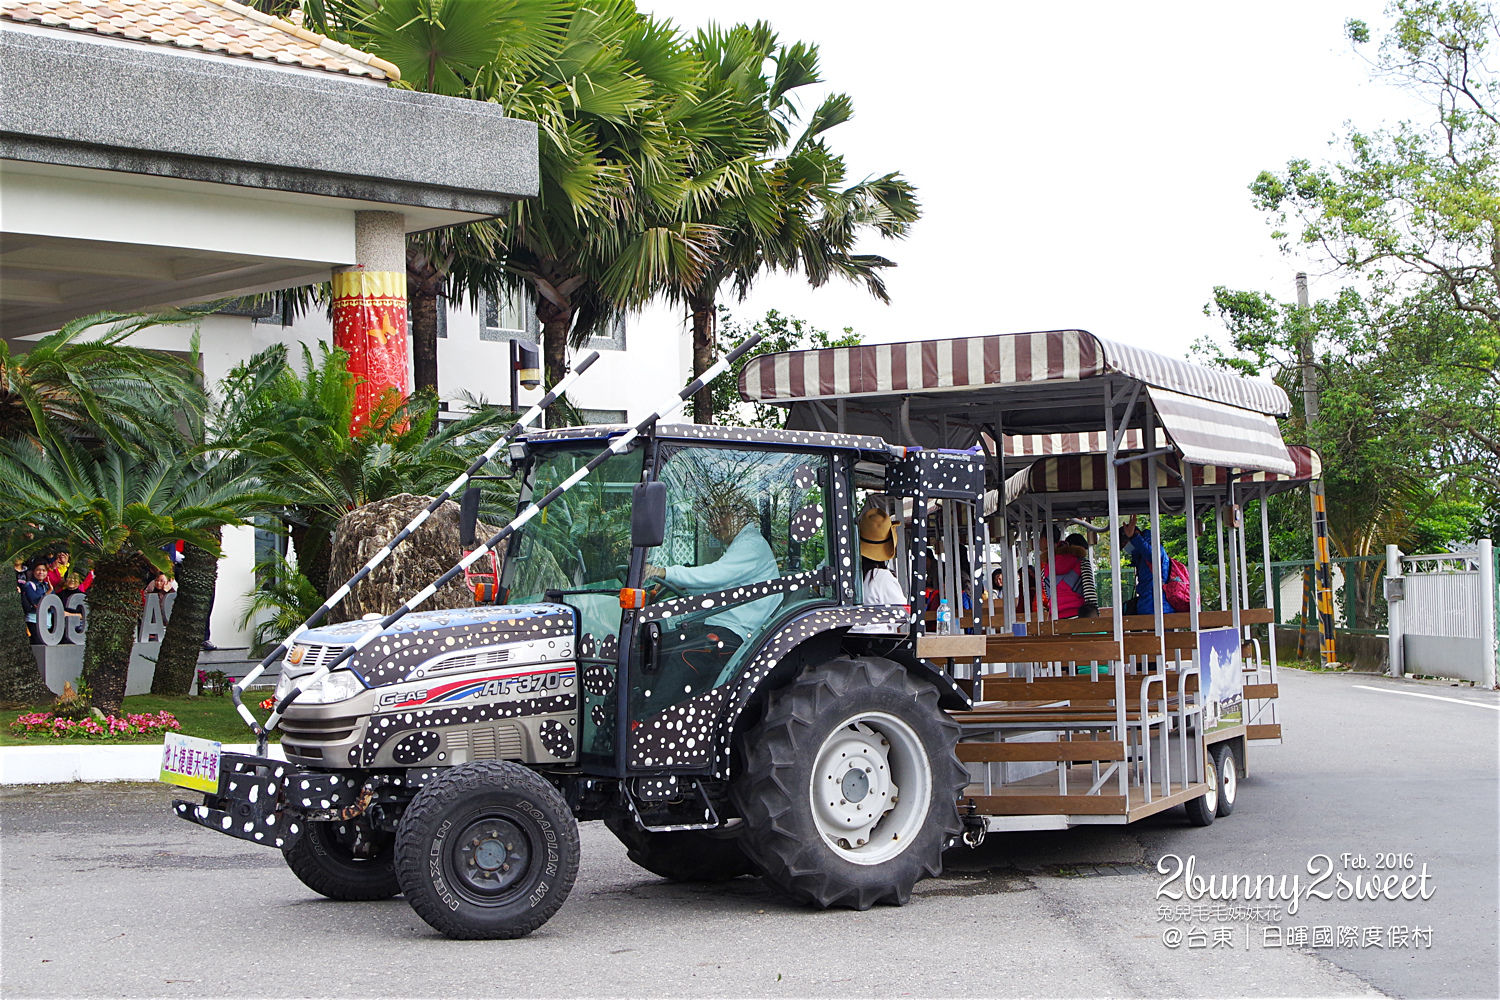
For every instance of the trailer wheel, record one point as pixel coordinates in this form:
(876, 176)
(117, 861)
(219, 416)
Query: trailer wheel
(850, 785)
(487, 850)
(343, 860)
(1226, 767)
(681, 855)
(1201, 811)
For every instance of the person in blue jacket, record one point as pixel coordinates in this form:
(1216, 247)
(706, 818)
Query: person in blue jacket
(1148, 559)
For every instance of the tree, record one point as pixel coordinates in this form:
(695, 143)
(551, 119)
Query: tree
(83, 379)
(1417, 205)
(778, 333)
(620, 114)
(216, 433)
(1385, 471)
(782, 203)
(1407, 353)
(615, 98)
(114, 509)
(456, 48)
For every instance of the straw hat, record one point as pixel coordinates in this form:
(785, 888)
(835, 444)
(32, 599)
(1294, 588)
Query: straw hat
(876, 541)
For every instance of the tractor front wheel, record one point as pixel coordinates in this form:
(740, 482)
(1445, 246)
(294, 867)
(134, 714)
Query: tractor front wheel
(487, 850)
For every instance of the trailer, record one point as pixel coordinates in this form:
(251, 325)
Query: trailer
(679, 643)
(1104, 720)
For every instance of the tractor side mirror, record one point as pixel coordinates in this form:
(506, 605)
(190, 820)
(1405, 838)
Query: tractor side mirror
(468, 516)
(648, 514)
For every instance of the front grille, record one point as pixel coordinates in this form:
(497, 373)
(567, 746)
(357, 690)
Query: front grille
(318, 655)
(315, 730)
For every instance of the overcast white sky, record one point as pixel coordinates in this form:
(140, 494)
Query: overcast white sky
(1080, 165)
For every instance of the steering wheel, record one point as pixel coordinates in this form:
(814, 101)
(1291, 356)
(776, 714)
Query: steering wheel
(658, 585)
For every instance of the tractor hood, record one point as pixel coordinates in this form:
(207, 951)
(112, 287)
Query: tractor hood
(431, 642)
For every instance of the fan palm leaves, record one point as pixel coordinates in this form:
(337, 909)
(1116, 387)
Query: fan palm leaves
(617, 101)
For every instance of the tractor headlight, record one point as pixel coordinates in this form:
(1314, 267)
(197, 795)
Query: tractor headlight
(336, 686)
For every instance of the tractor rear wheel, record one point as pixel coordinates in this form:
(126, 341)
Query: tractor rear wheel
(849, 786)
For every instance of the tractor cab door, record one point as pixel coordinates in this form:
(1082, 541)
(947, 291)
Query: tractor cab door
(578, 550)
(746, 545)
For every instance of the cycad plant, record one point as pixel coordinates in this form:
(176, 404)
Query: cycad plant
(322, 471)
(282, 600)
(82, 380)
(115, 509)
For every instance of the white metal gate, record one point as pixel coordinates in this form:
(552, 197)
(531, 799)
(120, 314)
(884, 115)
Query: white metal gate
(1442, 614)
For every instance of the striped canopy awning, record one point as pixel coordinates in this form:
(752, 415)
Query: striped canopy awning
(1082, 476)
(961, 363)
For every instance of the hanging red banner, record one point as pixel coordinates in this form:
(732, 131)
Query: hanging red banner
(369, 322)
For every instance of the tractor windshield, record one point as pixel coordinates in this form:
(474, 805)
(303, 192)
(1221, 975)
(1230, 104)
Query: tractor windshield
(581, 541)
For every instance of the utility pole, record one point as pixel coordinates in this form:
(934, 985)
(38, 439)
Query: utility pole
(1322, 560)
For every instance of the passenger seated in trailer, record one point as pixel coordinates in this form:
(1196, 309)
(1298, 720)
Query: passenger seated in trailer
(1147, 558)
(1076, 594)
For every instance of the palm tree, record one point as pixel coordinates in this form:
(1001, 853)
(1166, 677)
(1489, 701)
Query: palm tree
(84, 379)
(616, 99)
(216, 435)
(782, 205)
(456, 48)
(115, 509)
(621, 119)
(322, 471)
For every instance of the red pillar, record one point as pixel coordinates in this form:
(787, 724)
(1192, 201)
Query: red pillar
(369, 322)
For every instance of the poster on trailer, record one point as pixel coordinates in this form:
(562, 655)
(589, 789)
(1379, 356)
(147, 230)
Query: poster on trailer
(1221, 678)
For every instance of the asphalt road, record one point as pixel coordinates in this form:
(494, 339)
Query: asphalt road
(102, 893)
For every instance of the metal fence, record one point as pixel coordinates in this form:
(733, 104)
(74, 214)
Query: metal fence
(1358, 594)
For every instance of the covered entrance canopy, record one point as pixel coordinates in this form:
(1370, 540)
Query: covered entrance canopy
(161, 153)
(949, 393)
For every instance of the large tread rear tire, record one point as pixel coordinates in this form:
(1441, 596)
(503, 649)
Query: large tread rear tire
(322, 859)
(487, 850)
(681, 855)
(840, 746)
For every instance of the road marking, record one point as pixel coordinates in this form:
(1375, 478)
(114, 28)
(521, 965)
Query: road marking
(1434, 697)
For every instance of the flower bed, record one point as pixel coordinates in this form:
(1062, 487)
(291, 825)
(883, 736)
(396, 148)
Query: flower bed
(48, 725)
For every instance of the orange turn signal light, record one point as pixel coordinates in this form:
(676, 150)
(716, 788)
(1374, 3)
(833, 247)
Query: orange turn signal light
(484, 592)
(632, 597)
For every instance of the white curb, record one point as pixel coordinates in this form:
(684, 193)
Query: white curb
(81, 762)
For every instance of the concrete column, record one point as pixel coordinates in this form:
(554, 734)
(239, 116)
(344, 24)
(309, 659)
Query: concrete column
(1394, 630)
(1487, 612)
(369, 310)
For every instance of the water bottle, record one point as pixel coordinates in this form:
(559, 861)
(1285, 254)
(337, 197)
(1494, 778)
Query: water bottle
(944, 617)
